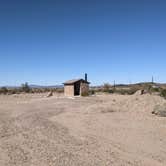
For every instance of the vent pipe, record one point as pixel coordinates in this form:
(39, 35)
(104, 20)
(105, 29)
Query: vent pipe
(86, 77)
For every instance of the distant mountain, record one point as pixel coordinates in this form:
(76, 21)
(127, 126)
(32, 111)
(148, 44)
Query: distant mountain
(99, 86)
(35, 86)
(43, 86)
(10, 87)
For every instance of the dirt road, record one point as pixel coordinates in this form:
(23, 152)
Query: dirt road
(104, 130)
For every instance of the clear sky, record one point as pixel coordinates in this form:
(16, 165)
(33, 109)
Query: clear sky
(46, 42)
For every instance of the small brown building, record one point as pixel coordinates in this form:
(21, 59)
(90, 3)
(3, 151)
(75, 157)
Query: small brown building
(76, 87)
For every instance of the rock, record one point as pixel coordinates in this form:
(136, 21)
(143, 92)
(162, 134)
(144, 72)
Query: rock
(160, 110)
(50, 94)
(140, 92)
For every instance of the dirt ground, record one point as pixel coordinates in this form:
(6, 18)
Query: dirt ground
(102, 130)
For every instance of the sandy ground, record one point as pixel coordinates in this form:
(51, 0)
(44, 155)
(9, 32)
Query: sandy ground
(103, 130)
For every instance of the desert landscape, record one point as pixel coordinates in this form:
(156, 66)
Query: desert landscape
(99, 130)
(82, 83)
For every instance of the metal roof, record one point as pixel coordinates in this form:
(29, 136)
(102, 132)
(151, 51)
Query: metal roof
(74, 81)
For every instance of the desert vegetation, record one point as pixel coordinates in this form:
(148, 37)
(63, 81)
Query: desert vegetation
(3, 90)
(163, 93)
(105, 88)
(25, 88)
(146, 88)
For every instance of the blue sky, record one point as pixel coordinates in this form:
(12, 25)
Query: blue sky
(49, 41)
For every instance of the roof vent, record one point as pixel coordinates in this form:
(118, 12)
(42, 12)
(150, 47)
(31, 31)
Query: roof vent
(86, 77)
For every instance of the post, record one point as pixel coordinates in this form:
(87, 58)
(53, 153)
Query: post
(152, 80)
(114, 85)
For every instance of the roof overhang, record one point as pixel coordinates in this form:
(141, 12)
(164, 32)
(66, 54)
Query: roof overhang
(71, 82)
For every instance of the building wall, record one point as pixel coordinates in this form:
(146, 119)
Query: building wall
(69, 90)
(84, 89)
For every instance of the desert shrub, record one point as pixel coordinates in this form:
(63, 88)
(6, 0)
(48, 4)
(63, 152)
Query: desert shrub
(84, 94)
(111, 91)
(121, 91)
(91, 92)
(3, 90)
(155, 90)
(163, 93)
(37, 90)
(160, 110)
(99, 90)
(25, 88)
(147, 87)
(130, 91)
(106, 87)
(60, 90)
(44, 90)
(53, 89)
(13, 91)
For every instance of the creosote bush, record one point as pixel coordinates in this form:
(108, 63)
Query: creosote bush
(14, 91)
(59, 90)
(155, 90)
(106, 87)
(25, 88)
(91, 92)
(129, 91)
(163, 93)
(84, 94)
(3, 90)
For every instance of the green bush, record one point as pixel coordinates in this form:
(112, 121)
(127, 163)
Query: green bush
(121, 91)
(84, 94)
(4, 90)
(106, 87)
(25, 88)
(91, 92)
(111, 91)
(155, 89)
(59, 90)
(130, 91)
(163, 93)
(13, 91)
